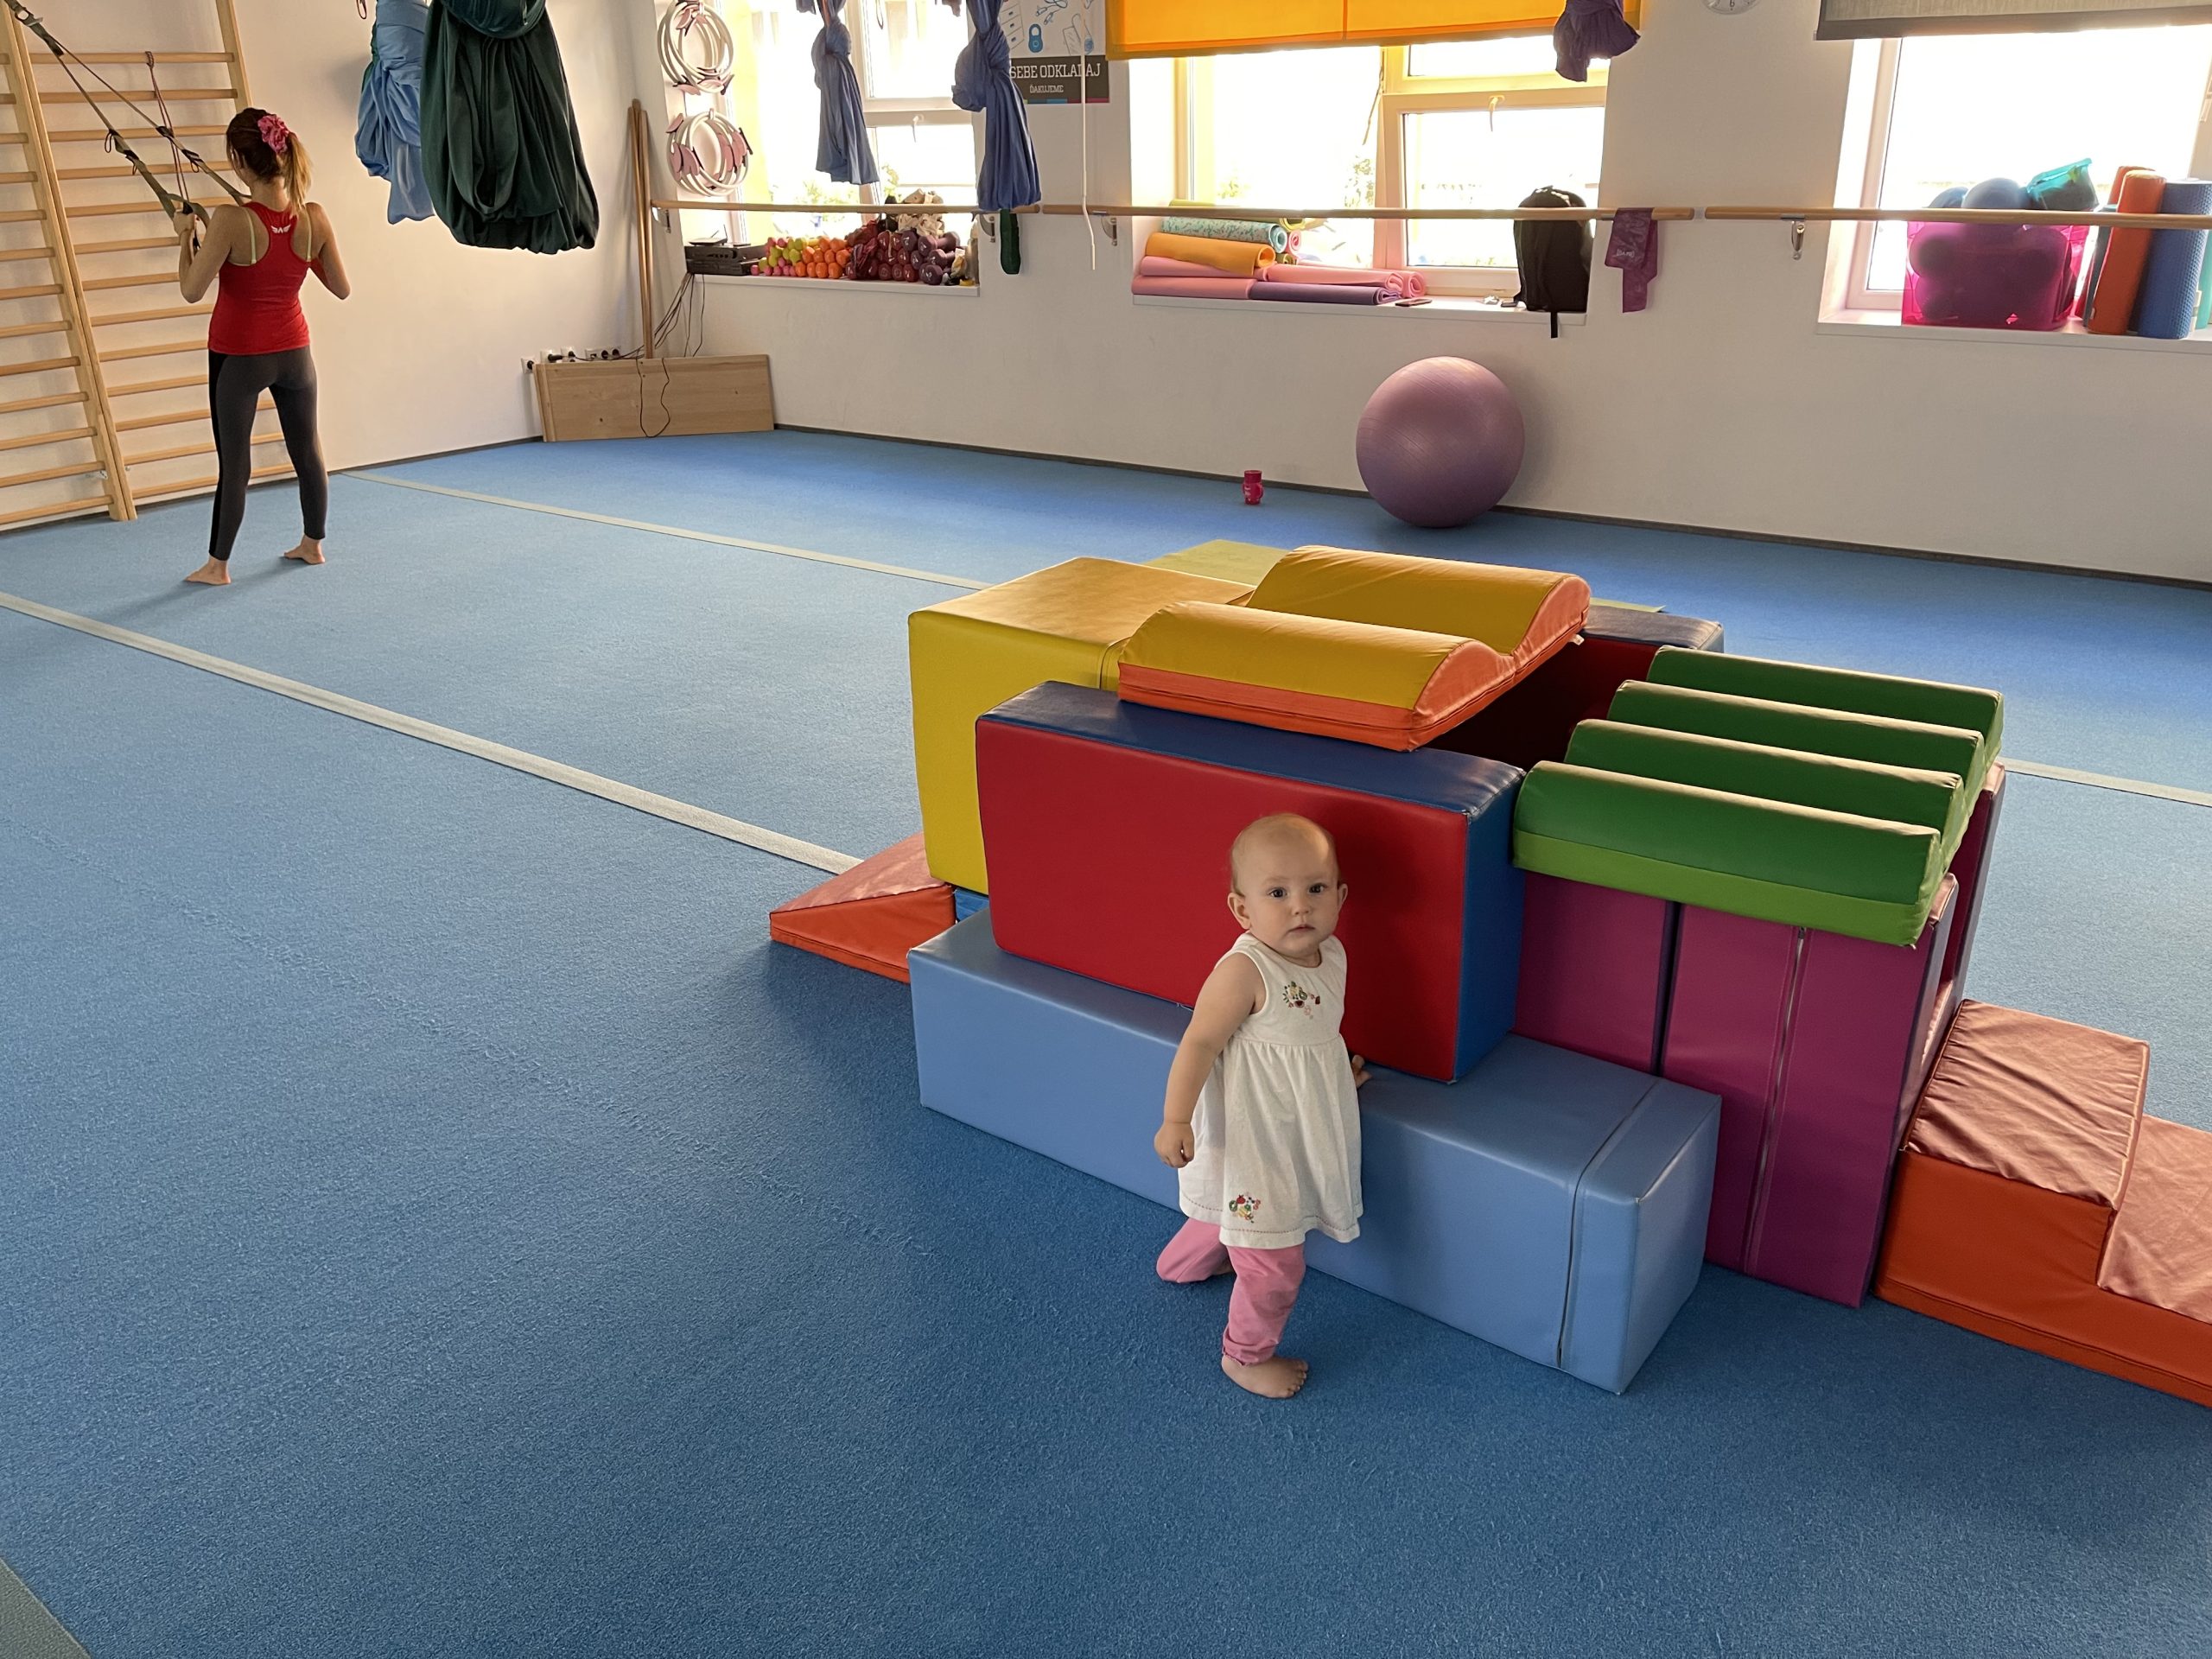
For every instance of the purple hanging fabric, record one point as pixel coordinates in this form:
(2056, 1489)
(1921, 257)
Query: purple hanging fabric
(1633, 251)
(840, 149)
(1587, 29)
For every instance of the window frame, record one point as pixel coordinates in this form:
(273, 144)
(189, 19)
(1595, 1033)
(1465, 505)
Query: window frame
(1858, 295)
(1398, 94)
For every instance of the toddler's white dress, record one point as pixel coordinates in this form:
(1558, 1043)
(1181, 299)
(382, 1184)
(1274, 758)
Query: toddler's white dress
(1276, 1132)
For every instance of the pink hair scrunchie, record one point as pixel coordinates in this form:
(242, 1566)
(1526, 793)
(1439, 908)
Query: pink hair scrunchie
(274, 132)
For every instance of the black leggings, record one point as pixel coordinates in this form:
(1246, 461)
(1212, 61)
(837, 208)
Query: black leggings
(234, 388)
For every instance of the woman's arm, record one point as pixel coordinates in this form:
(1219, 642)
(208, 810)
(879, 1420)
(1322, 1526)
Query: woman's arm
(328, 268)
(1229, 998)
(195, 270)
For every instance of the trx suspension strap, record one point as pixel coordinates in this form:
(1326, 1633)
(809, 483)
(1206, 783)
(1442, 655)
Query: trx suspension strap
(173, 202)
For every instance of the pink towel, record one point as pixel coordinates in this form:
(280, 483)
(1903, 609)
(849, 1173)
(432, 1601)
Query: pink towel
(1406, 284)
(1215, 286)
(1154, 264)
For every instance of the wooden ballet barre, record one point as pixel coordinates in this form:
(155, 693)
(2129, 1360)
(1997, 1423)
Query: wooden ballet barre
(1968, 216)
(1123, 210)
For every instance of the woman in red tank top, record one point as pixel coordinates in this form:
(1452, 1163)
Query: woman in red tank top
(260, 254)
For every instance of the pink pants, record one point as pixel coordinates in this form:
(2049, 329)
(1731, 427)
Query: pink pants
(1266, 1291)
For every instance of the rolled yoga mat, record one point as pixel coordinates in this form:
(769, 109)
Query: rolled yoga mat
(1152, 265)
(2166, 307)
(1194, 288)
(1408, 282)
(2094, 262)
(2112, 306)
(1324, 293)
(1227, 229)
(1238, 258)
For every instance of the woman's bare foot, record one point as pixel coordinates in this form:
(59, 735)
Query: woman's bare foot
(213, 574)
(1275, 1378)
(307, 552)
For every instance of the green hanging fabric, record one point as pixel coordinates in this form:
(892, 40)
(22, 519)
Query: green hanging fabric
(500, 149)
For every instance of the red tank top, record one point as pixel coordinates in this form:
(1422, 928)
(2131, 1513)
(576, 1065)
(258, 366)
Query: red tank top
(257, 306)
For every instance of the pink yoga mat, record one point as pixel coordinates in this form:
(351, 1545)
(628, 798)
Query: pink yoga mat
(1154, 264)
(1411, 283)
(1324, 294)
(1215, 286)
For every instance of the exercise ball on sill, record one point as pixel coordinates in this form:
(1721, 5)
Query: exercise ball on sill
(1441, 443)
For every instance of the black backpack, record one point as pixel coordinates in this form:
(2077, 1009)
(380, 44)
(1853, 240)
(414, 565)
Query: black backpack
(1554, 255)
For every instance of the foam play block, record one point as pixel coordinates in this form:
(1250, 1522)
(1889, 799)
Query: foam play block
(1245, 562)
(871, 915)
(1925, 702)
(1375, 647)
(1970, 868)
(1395, 688)
(1596, 967)
(1884, 740)
(1533, 721)
(1817, 1045)
(1800, 866)
(1548, 1203)
(2036, 1203)
(972, 653)
(1145, 802)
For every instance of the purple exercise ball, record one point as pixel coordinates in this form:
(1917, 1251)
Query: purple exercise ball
(1439, 442)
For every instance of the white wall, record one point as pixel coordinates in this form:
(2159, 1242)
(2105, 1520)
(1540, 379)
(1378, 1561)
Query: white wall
(428, 354)
(1721, 406)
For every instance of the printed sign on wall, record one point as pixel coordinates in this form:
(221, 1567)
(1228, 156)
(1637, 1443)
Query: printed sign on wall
(1048, 39)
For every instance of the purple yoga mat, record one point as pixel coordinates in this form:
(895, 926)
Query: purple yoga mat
(1322, 294)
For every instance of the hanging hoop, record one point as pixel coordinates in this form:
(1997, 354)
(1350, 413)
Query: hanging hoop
(706, 153)
(688, 25)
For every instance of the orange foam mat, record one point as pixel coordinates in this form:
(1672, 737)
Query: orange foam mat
(2035, 1204)
(871, 915)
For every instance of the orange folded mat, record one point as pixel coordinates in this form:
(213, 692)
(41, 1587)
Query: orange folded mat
(871, 915)
(2112, 306)
(2035, 1204)
(1238, 258)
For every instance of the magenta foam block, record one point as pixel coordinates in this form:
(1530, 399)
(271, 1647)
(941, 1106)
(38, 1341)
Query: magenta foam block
(1595, 969)
(1816, 1045)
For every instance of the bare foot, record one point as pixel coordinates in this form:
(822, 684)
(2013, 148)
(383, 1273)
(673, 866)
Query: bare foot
(307, 552)
(1276, 1378)
(213, 574)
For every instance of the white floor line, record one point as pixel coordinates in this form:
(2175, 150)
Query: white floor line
(2100, 780)
(678, 531)
(554, 772)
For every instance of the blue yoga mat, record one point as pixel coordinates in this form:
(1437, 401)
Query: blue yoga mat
(2166, 308)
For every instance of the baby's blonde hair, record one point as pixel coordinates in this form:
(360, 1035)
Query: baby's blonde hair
(1260, 829)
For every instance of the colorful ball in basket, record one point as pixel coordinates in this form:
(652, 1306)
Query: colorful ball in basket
(1439, 442)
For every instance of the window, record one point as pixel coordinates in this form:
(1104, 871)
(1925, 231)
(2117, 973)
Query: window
(903, 52)
(1479, 124)
(1951, 110)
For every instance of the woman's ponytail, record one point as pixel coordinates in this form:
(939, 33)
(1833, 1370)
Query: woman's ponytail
(299, 172)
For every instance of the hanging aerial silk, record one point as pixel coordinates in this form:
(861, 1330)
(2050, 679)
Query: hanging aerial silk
(982, 79)
(1587, 29)
(500, 149)
(388, 137)
(842, 150)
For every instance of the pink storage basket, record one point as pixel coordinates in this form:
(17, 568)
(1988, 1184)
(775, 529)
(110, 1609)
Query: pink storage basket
(1991, 275)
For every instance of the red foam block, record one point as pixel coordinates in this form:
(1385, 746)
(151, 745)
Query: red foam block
(871, 915)
(1113, 863)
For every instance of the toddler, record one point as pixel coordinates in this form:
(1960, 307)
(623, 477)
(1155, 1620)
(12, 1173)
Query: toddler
(1262, 1119)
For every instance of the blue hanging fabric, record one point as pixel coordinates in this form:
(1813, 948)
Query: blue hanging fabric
(841, 151)
(982, 79)
(388, 137)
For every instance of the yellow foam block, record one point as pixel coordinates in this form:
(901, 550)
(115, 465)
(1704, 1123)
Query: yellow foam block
(968, 655)
(1244, 562)
(1395, 688)
(1514, 612)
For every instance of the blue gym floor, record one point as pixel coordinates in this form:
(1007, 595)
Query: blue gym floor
(437, 1220)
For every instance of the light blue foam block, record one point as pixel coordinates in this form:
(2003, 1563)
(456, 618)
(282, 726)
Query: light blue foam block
(1549, 1202)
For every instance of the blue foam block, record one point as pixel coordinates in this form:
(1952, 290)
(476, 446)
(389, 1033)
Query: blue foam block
(1549, 1202)
(966, 903)
(1653, 627)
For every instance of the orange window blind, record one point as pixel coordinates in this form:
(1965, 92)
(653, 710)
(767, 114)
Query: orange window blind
(1152, 28)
